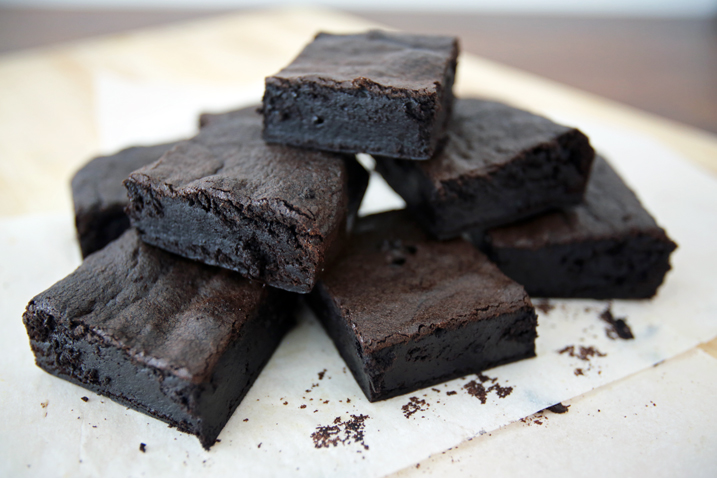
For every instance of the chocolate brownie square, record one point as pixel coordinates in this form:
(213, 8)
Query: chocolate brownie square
(175, 339)
(406, 312)
(375, 92)
(100, 197)
(608, 247)
(500, 164)
(273, 213)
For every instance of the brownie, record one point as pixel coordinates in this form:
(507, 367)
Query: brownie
(273, 213)
(406, 312)
(608, 247)
(175, 339)
(100, 197)
(500, 164)
(375, 92)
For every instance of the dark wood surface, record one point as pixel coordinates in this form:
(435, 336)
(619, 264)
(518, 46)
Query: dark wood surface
(664, 66)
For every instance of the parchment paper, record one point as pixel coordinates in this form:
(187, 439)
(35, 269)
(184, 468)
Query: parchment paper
(47, 430)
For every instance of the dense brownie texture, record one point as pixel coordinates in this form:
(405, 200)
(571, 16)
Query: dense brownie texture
(375, 92)
(175, 339)
(273, 213)
(100, 197)
(406, 312)
(500, 164)
(608, 247)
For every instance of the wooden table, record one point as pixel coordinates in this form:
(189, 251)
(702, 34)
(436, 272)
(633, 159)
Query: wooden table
(47, 116)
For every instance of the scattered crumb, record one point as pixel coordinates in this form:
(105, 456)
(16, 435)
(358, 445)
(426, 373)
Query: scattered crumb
(259, 445)
(218, 440)
(303, 406)
(340, 432)
(436, 390)
(44, 404)
(451, 392)
(479, 391)
(286, 403)
(143, 448)
(315, 411)
(321, 374)
(326, 402)
(578, 371)
(617, 327)
(544, 306)
(559, 408)
(414, 405)
(246, 419)
(583, 353)
(85, 399)
(348, 400)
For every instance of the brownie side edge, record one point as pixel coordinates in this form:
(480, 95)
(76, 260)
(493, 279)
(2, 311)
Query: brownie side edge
(631, 267)
(450, 353)
(363, 119)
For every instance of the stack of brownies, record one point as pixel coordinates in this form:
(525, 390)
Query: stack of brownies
(176, 315)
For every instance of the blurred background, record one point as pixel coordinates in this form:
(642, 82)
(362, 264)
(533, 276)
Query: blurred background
(656, 55)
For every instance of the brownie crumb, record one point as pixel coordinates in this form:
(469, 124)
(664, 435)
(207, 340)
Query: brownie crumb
(321, 374)
(617, 327)
(348, 400)
(85, 399)
(583, 353)
(559, 408)
(246, 419)
(143, 448)
(436, 390)
(451, 392)
(303, 406)
(259, 445)
(286, 403)
(414, 405)
(479, 391)
(545, 306)
(578, 371)
(341, 432)
(44, 404)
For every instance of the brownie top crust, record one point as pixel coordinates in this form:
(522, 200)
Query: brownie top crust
(375, 58)
(484, 136)
(99, 183)
(229, 161)
(610, 209)
(395, 284)
(164, 311)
